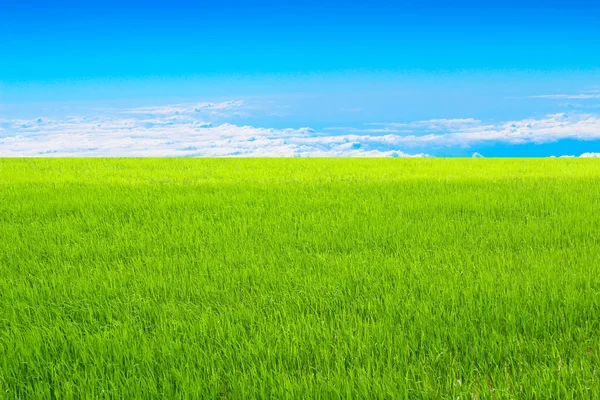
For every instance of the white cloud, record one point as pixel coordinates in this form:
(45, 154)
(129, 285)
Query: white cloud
(590, 155)
(430, 123)
(584, 155)
(179, 130)
(551, 128)
(185, 108)
(450, 122)
(477, 155)
(177, 136)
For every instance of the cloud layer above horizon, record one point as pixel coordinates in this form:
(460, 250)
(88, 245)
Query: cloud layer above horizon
(192, 130)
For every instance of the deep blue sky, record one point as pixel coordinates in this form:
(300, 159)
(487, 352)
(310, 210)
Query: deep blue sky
(318, 64)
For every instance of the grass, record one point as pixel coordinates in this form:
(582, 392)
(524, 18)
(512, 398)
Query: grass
(292, 278)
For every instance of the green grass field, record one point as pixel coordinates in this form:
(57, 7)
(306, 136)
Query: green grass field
(293, 278)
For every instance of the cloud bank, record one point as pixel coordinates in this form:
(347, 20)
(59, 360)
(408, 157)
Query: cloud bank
(174, 136)
(189, 130)
(469, 132)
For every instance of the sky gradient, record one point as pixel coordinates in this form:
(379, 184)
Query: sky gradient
(311, 78)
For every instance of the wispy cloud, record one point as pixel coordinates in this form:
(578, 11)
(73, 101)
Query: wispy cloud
(548, 129)
(581, 96)
(176, 109)
(431, 123)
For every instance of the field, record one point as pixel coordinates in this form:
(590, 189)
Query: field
(294, 278)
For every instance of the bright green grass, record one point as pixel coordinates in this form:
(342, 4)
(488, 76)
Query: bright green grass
(300, 278)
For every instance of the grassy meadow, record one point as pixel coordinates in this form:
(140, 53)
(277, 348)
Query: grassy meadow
(296, 278)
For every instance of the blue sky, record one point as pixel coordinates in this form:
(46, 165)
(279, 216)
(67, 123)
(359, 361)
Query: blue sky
(310, 78)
